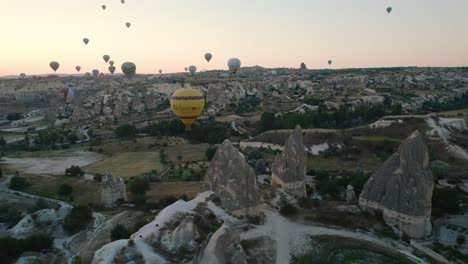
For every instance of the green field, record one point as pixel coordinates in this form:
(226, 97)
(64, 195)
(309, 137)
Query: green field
(377, 139)
(126, 164)
(84, 192)
(331, 249)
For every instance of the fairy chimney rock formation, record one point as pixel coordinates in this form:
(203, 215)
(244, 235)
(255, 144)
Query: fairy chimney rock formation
(289, 168)
(112, 190)
(402, 189)
(232, 179)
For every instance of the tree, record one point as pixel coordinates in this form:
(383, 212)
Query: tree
(10, 249)
(3, 142)
(162, 156)
(37, 242)
(460, 239)
(125, 131)
(78, 219)
(210, 152)
(65, 190)
(139, 185)
(445, 201)
(18, 183)
(267, 121)
(74, 171)
(1, 172)
(120, 232)
(14, 116)
(72, 138)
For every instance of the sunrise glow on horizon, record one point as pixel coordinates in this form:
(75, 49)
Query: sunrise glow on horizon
(171, 35)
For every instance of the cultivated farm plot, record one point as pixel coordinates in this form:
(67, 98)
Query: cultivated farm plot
(84, 191)
(126, 164)
(188, 152)
(160, 190)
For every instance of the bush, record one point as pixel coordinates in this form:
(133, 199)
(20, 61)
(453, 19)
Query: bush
(65, 190)
(37, 242)
(14, 116)
(18, 183)
(288, 209)
(460, 239)
(445, 201)
(120, 232)
(78, 219)
(139, 185)
(210, 152)
(74, 171)
(10, 249)
(125, 131)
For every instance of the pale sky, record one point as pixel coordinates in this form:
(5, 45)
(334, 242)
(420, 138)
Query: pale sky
(173, 34)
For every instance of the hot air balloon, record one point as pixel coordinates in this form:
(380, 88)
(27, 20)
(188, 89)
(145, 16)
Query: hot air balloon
(303, 66)
(160, 71)
(87, 74)
(112, 69)
(187, 104)
(106, 58)
(192, 69)
(111, 63)
(95, 73)
(330, 62)
(128, 24)
(54, 65)
(234, 65)
(123, 1)
(78, 68)
(68, 94)
(25, 98)
(86, 41)
(103, 7)
(186, 68)
(389, 9)
(23, 75)
(129, 69)
(208, 57)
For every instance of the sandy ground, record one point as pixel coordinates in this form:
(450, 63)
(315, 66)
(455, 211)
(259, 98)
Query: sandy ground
(292, 238)
(53, 165)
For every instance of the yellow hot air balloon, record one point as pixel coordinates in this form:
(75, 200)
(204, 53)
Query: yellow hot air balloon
(187, 104)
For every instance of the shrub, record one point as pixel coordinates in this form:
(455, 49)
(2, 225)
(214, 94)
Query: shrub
(78, 219)
(139, 185)
(74, 171)
(124, 131)
(210, 152)
(460, 239)
(120, 232)
(288, 209)
(37, 242)
(445, 201)
(10, 249)
(65, 190)
(18, 183)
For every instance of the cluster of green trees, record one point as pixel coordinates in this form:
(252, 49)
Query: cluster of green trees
(18, 183)
(14, 116)
(53, 135)
(126, 131)
(74, 171)
(11, 248)
(344, 117)
(437, 106)
(211, 133)
(78, 219)
(246, 105)
(327, 184)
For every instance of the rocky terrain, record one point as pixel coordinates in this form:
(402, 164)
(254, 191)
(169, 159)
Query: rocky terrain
(402, 189)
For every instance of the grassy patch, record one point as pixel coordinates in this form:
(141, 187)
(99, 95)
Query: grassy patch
(377, 139)
(332, 249)
(160, 190)
(188, 152)
(126, 164)
(84, 192)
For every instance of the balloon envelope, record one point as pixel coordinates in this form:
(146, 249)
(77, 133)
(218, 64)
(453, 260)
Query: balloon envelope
(103, 7)
(123, 1)
(68, 94)
(128, 24)
(111, 63)
(78, 68)
(86, 41)
(208, 57)
(389, 9)
(160, 71)
(106, 58)
(112, 69)
(23, 75)
(186, 68)
(234, 65)
(187, 104)
(95, 73)
(192, 69)
(54, 65)
(129, 69)
(330, 62)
